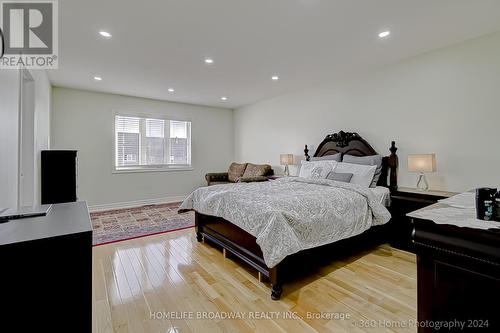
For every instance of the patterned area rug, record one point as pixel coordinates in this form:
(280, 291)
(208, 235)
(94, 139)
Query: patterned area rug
(122, 224)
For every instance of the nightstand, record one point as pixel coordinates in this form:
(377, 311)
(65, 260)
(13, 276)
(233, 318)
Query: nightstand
(406, 200)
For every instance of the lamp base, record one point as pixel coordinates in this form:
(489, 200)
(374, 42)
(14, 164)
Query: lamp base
(287, 172)
(422, 184)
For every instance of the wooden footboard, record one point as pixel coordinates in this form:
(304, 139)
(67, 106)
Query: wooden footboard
(239, 243)
(243, 245)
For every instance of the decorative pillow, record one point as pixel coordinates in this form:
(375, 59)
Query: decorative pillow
(335, 157)
(367, 160)
(340, 176)
(235, 171)
(361, 174)
(316, 169)
(253, 179)
(254, 170)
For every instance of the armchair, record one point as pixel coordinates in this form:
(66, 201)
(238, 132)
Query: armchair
(214, 178)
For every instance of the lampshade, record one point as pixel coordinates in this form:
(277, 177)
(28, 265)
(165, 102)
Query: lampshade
(286, 159)
(422, 163)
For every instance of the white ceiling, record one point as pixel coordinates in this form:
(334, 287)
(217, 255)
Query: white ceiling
(159, 44)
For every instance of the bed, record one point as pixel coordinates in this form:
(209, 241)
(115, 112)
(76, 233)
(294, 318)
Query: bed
(280, 226)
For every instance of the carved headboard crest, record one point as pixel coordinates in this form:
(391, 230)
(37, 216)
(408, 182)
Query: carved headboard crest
(342, 138)
(343, 143)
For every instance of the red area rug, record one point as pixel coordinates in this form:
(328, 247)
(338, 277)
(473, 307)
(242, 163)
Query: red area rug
(122, 224)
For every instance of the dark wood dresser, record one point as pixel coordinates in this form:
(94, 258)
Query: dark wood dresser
(58, 176)
(458, 275)
(46, 271)
(403, 201)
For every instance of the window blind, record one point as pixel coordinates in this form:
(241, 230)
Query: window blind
(127, 140)
(155, 128)
(178, 142)
(154, 142)
(149, 142)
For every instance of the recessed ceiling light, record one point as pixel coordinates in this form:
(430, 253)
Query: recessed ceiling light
(275, 77)
(171, 89)
(384, 34)
(209, 61)
(97, 78)
(224, 98)
(105, 34)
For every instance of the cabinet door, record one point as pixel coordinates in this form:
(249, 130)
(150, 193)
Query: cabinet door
(462, 294)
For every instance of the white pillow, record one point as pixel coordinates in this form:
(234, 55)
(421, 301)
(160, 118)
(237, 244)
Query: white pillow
(316, 169)
(361, 174)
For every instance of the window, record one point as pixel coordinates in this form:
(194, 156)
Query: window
(151, 143)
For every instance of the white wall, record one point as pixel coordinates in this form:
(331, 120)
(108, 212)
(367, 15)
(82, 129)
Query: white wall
(446, 101)
(9, 126)
(9, 113)
(43, 100)
(83, 120)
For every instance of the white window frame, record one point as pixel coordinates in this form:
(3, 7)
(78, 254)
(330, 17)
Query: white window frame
(151, 168)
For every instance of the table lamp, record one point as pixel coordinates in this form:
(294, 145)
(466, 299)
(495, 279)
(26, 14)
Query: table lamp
(286, 160)
(422, 163)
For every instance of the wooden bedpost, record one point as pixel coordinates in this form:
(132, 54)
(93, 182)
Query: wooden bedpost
(393, 166)
(197, 226)
(306, 153)
(276, 283)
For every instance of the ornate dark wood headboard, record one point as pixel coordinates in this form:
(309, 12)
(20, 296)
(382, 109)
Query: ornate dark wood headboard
(353, 144)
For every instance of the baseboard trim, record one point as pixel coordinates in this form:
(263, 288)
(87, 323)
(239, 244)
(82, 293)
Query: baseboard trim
(137, 203)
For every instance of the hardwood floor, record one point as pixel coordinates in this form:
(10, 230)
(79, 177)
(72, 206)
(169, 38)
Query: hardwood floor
(155, 283)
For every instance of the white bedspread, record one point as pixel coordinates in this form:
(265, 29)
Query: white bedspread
(291, 214)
